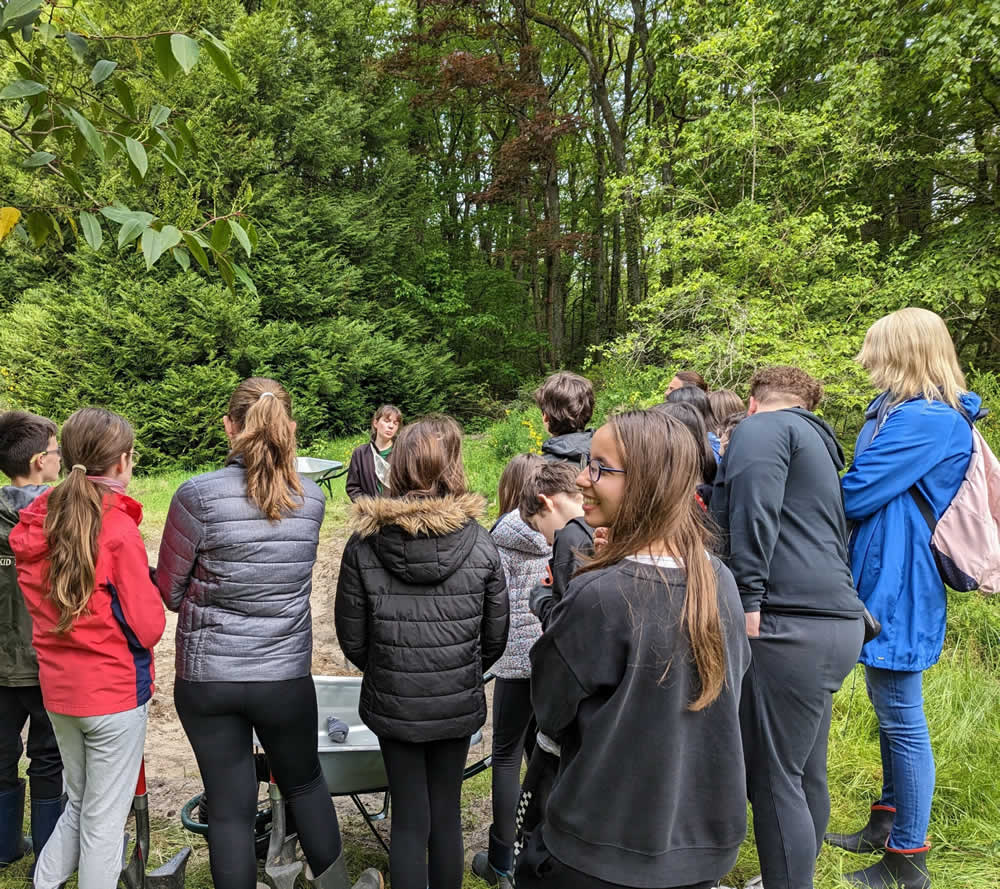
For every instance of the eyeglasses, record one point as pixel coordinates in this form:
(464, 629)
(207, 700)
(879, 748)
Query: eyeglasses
(595, 468)
(46, 453)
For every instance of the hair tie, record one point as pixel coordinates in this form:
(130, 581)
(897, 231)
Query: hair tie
(81, 467)
(266, 395)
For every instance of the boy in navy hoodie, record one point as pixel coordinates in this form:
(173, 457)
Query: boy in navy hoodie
(30, 456)
(566, 401)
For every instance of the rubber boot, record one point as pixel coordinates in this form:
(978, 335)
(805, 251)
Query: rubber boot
(335, 877)
(44, 816)
(872, 837)
(12, 843)
(496, 865)
(898, 869)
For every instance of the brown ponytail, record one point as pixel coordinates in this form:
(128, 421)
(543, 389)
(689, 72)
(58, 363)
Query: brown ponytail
(662, 465)
(93, 440)
(261, 411)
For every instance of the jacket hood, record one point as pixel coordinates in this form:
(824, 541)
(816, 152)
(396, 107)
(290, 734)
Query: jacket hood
(512, 533)
(422, 540)
(573, 446)
(826, 433)
(32, 541)
(14, 499)
(971, 403)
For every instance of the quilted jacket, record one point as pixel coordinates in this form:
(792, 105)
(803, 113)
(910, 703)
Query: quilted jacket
(422, 610)
(524, 555)
(240, 583)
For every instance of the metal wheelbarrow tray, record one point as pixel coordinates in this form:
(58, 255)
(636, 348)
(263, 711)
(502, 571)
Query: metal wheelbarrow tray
(323, 472)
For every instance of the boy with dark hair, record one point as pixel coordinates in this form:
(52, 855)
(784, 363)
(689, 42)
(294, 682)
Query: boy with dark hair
(778, 504)
(566, 401)
(30, 456)
(552, 504)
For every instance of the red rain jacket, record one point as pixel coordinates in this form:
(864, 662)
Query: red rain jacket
(104, 664)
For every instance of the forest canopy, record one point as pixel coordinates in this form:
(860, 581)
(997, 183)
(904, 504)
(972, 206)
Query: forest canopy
(433, 202)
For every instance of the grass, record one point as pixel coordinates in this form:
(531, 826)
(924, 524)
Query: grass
(963, 709)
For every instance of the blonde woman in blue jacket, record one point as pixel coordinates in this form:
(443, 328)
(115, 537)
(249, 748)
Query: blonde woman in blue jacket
(917, 438)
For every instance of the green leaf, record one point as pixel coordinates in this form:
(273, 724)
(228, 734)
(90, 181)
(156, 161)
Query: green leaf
(48, 32)
(20, 89)
(194, 244)
(125, 96)
(121, 215)
(39, 159)
(185, 51)
(129, 232)
(222, 236)
(87, 130)
(155, 243)
(158, 115)
(77, 45)
(91, 230)
(137, 154)
(225, 269)
(102, 71)
(69, 174)
(252, 234)
(241, 236)
(15, 9)
(181, 257)
(241, 273)
(222, 61)
(168, 142)
(165, 60)
(186, 136)
(39, 226)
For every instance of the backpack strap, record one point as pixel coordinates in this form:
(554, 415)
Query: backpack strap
(925, 508)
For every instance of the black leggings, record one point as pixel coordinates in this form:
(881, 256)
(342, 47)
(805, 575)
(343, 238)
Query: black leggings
(511, 716)
(425, 781)
(219, 718)
(17, 705)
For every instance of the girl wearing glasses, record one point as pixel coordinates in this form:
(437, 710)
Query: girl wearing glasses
(644, 659)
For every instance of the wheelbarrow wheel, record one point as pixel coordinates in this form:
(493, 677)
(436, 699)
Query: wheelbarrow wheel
(261, 828)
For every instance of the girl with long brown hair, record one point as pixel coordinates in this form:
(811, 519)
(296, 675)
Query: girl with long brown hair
(643, 661)
(422, 610)
(96, 616)
(236, 562)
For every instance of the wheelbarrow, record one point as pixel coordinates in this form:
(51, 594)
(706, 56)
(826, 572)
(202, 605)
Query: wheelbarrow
(134, 875)
(351, 769)
(323, 472)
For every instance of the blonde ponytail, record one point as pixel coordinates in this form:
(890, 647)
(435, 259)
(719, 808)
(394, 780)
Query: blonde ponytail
(261, 410)
(93, 440)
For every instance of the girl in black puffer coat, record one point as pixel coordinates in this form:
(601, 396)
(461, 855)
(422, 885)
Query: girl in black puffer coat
(422, 610)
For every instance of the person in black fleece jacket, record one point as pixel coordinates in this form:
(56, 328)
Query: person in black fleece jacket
(637, 679)
(777, 501)
(566, 401)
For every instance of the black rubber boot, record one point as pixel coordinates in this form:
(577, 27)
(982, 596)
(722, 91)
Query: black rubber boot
(896, 870)
(872, 837)
(12, 843)
(495, 867)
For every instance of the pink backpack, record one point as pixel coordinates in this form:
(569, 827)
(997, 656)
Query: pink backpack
(966, 539)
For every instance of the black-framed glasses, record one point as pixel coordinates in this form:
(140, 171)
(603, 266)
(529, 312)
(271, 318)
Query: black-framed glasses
(595, 468)
(46, 453)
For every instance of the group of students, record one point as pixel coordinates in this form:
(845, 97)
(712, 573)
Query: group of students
(667, 627)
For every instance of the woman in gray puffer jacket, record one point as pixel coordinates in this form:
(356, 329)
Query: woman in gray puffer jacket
(236, 562)
(422, 609)
(524, 555)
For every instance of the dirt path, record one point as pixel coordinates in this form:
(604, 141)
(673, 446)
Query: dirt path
(171, 769)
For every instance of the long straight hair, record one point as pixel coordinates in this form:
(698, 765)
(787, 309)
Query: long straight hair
(93, 438)
(261, 410)
(662, 466)
(514, 479)
(427, 460)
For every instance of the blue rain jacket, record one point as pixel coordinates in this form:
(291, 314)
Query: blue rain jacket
(927, 443)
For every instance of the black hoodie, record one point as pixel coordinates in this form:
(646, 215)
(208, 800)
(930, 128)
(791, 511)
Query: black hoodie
(573, 447)
(778, 503)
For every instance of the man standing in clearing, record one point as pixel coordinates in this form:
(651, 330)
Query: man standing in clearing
(777, 500)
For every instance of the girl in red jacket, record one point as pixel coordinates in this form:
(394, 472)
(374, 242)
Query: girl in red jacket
(96, 616)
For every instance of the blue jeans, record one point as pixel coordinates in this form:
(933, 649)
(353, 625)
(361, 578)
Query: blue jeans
(907, 758)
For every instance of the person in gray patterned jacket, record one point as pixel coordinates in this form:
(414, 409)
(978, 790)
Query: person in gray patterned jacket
(524, 555)
(236, 562)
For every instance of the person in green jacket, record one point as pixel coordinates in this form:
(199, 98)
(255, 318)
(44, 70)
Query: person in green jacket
(30, 456)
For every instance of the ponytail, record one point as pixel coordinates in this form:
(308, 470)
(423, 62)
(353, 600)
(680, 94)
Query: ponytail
(261, 410)
(93, 440)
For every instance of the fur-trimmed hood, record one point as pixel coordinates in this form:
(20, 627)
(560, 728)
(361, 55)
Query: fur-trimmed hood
(422, 540)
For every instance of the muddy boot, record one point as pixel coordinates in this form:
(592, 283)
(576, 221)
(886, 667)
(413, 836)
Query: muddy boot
(496, 866)
(896, 870)
(872, 837)
(13, 846)
(335, 877)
